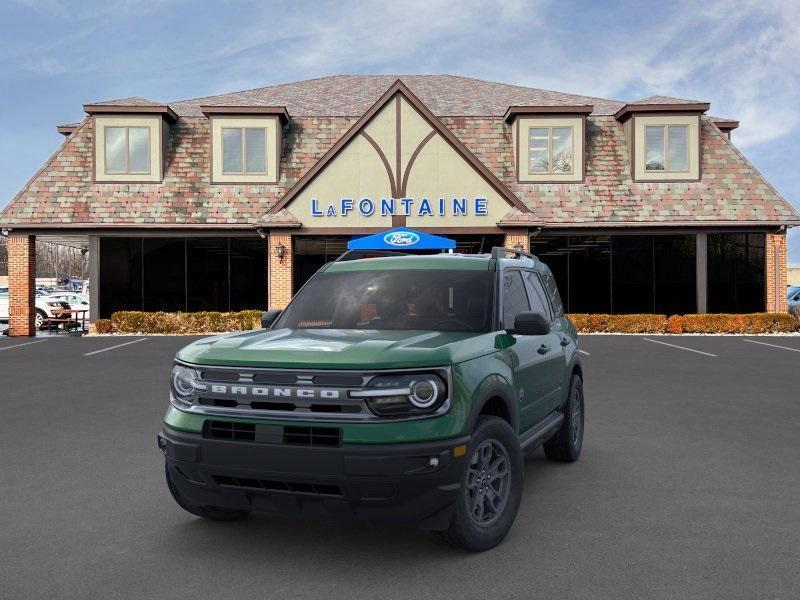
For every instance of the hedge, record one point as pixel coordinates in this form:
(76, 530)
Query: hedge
(217, 322)
(707, 323)
(197, 322)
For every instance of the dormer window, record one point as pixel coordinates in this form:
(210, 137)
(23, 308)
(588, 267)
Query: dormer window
(244, 150)
(127, 150)
(245, 143)
(548, 142)
(666, 148)
(550, 150)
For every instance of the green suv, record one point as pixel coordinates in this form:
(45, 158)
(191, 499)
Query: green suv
(393, 387)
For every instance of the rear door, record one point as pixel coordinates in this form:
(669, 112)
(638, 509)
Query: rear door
(528, 362)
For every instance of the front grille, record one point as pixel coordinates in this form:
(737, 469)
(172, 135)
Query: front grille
(351, 408)
(286, 487)
(312, 436)
(229, 430)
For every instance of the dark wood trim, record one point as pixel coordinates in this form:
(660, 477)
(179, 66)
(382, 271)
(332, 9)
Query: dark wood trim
(347, 231)
(398, 220)
(275, 111)
(676, 228)
(131, 109)
(398, 146)
(629, 109)
(384, 160)
(67, 130)
(399, 87)
(515, 111)
(725, 124)
(411, 159)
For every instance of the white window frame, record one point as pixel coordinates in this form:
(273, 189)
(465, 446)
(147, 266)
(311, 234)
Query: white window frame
(665, 148)
(127, 129)
(244, 171)
(550, 170)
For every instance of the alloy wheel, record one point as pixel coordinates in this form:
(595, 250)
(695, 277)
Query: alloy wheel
(488, 482)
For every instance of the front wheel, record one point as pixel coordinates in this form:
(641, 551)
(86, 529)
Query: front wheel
(566, 444)
(215, 513)
(491, 488)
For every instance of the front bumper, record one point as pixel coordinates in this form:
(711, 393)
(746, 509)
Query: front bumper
(409, 483)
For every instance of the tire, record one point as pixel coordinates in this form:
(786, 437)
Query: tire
(479, 532)
(566, 444)
(214, 513)
(39, 318)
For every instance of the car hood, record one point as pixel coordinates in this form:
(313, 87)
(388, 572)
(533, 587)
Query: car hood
(339, 348)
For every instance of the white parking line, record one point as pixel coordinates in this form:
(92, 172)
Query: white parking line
(680, 347)
(584, 352)
(20, 345)
(771, 345)
(113, 347)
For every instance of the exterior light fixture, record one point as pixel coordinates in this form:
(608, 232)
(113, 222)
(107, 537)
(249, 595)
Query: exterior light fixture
(517, 246)
(280, 252)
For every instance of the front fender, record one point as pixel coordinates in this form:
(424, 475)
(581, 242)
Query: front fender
(479, 380)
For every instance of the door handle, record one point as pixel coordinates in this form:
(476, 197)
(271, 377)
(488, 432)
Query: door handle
(543, 349)
(564, 341)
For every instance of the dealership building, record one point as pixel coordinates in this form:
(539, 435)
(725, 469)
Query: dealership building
(233, 201)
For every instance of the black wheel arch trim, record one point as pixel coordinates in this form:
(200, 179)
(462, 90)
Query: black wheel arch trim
(494, 386)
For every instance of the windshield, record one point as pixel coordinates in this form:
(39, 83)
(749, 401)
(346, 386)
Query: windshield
(394, 299)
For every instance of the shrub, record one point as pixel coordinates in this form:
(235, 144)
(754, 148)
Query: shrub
(707, 323)
(197, 322)
(619, 323)
(103, 326)
(746, 323)
(674, 324)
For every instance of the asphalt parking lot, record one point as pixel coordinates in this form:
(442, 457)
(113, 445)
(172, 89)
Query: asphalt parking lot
(688, 487)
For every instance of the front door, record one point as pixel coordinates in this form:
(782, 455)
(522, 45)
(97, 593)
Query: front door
(528, 354)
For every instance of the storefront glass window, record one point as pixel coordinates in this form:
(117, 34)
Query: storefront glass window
(736, 272)
(180, 274)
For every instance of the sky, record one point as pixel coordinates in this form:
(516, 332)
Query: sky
(739, 55)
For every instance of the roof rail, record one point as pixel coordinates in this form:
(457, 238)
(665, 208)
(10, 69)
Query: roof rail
(499, 252)
(359, 254)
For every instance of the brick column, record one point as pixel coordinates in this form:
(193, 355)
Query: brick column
(517, 239)
(280, 270)
(21, 284)
(775, 273)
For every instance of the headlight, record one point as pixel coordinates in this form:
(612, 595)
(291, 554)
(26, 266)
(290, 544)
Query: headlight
(184, 380)
(404, 394)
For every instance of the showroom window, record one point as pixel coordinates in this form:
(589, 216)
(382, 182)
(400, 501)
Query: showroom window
(666, 147)
(622, 274)
(736, 265)
(182, 274)
(244, 150)
(550, 150)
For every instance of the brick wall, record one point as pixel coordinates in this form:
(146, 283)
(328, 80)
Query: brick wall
(517, 237)
(21, 284)
(280, 271)
(776, 273)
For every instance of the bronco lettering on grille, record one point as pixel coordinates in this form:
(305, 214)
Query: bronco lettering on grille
(275, 392)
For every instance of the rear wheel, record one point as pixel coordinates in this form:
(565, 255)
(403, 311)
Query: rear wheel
(215, 513)
(491, 488)
(39, 319)
(565, 445)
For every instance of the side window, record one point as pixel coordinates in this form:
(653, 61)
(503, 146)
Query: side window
(515, 299)
(552, 292)
(537, 295)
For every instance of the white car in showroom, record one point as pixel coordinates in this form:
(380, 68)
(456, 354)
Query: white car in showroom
(47, 307)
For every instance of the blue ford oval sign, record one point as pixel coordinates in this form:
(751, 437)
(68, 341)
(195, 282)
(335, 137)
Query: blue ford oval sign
(401, 239)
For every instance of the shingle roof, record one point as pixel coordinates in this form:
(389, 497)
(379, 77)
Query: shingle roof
(63, 193)
(666, 100)
(130, 101)
(352, 95)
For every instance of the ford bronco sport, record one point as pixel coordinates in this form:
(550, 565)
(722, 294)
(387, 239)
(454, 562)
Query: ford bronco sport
(402, 388)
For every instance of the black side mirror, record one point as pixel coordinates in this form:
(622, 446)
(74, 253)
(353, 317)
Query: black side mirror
(531, 323)
(268, 318)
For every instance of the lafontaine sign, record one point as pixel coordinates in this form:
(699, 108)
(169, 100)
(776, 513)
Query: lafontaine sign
(422, 207)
